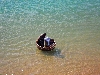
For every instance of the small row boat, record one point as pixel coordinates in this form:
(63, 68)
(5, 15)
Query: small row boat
(49, 48)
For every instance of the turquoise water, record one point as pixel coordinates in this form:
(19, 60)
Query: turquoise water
(75, 26)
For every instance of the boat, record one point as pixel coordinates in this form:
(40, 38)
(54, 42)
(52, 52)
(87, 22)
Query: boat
(49, 48)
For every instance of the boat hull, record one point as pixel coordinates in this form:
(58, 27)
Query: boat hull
(50, 48)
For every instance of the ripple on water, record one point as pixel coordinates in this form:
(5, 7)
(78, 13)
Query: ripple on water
(73, 24)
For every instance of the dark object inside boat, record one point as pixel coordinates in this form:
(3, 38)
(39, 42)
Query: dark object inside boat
(40, 45)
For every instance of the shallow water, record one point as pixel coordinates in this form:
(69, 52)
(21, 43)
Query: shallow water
(75, 26)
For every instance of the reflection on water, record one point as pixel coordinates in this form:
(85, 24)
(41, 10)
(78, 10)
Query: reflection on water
(56, 52)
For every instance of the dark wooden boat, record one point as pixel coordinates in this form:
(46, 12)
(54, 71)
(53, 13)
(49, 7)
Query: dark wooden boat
(49, 48)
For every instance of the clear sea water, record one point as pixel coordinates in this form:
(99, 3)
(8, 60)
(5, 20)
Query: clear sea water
(74, 24)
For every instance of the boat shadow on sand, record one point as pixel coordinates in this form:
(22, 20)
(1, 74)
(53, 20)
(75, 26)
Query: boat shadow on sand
(56, 52)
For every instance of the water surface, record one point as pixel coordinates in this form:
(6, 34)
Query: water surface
(75, 26)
